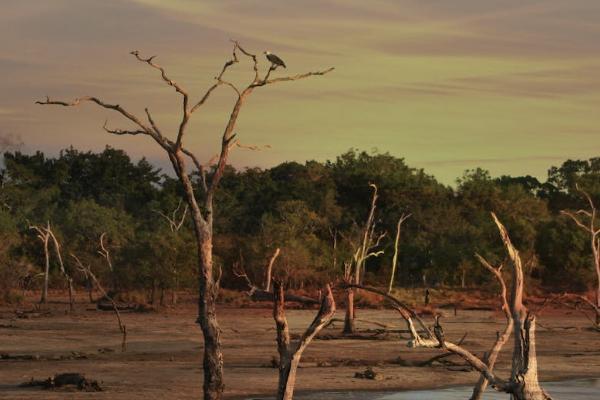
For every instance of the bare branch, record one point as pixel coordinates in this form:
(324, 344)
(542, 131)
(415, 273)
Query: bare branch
(267, 81)
(115, 107)
(104, 252)
(87, 271)
(270, 269)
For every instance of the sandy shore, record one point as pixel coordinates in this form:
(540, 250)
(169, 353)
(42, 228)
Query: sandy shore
(163, 360)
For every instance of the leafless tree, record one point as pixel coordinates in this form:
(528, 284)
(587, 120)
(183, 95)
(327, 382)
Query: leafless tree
(401, 220)
(523, 383)
(588, 221)
(177, 217)
(86, 270)
(200, 202)
(45, 234)
(354, 269)
(290, 351)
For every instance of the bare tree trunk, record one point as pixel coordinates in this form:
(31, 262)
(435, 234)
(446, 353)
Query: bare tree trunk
(349, 317)
(524, 375)
(291, 353)
(402, 218)
(207, 318)
(90, 289)
(270, 270)
(44, 298)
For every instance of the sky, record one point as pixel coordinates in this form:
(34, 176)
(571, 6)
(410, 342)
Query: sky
(509, 86)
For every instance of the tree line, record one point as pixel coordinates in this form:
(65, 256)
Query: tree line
(313, 212)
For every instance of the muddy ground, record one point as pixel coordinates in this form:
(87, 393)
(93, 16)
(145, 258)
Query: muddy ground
(163, 357)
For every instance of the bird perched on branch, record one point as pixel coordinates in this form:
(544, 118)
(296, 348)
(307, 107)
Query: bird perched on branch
(439, 332)
(275, 61)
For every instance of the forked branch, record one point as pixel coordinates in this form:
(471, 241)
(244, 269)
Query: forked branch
(290, 352)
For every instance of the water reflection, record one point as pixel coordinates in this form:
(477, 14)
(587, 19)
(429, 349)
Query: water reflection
(580, 389)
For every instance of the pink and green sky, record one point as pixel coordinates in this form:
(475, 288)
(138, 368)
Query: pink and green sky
(510, 86)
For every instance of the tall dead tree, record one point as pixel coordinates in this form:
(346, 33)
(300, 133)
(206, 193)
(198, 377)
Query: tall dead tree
(45, 234)
(44, 237)
(200, 201)
(354, 269)
(588, 221)
(290, 351)
(523, 383)
(401, 220)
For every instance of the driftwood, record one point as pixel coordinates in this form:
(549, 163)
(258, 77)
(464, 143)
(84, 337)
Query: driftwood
(262, 295)
(291, 352)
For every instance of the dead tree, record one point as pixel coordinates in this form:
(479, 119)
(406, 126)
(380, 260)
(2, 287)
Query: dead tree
(175, 222)
(523, 383)
(501, 338)
(44, 237)
(45, 234)
(200, 202)
(355, 268)
(401, 220)
(588, 221)
(87, 271)
(269, 269)
(291, 352)
(258, 294)
(63, 270)
(575, 301)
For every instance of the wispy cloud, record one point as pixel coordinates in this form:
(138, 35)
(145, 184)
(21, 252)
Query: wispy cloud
(448, 84)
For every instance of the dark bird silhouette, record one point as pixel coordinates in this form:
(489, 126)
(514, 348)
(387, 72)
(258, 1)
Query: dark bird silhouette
(275, 61)
(438, 331)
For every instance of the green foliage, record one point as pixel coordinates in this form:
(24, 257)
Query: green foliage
(300, 208)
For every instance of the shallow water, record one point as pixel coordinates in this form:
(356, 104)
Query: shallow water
(580, 389)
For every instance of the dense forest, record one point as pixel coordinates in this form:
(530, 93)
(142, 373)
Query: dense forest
(313, 212)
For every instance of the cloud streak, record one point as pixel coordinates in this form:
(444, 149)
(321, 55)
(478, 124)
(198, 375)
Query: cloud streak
(448, 85)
